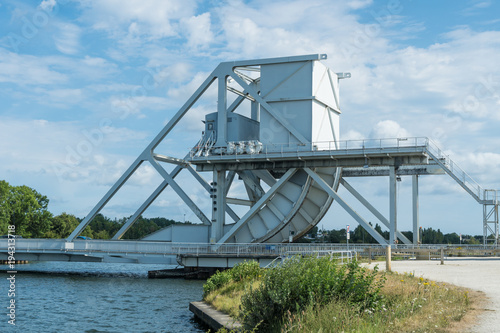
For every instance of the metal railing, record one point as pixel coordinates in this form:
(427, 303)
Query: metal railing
(320, 148)
(166, 248)
(458, 173)
(480, 194)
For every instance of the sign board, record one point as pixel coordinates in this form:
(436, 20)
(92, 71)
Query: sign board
(347, 233)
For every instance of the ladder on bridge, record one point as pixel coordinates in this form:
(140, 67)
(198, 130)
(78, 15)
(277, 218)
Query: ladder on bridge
(487, 197)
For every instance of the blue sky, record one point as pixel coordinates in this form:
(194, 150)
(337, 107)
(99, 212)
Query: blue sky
(85, 85)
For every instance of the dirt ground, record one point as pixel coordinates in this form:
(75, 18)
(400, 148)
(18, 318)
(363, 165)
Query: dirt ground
(480, 274)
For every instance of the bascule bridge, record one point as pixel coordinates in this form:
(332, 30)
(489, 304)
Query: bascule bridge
(275, 134)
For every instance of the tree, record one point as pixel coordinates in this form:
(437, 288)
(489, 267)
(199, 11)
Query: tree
(4, 207)
(27, 210)
(362, 236)
(62, 226)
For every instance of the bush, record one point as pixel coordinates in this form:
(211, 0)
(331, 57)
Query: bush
(245, 270)
(300, 282)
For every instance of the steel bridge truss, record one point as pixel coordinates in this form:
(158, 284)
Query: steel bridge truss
(289, 186)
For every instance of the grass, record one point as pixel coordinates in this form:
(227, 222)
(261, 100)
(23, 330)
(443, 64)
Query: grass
(409, 304)
(228, 298)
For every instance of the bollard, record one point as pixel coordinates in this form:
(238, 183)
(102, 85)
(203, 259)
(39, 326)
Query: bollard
(442, 256)
(388, 258)
(369, 255)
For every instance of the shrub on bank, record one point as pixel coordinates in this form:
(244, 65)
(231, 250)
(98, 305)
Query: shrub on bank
(300, 282)
(246, 270)
(405, 303)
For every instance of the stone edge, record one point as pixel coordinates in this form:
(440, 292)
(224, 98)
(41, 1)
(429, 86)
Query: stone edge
(212, 317)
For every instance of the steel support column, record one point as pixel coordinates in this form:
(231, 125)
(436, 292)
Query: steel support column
(416, 217)
(222, 112)
(393, 211)
(219, 203)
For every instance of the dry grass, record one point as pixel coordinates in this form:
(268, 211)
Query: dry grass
(420, 305)
(228, 298)
(411, 305)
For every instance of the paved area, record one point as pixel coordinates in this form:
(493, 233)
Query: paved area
(481, 274)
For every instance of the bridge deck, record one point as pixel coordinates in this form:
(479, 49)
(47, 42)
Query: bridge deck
(166, 252)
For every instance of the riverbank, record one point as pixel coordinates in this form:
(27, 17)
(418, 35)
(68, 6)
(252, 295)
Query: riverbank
(479, 274)
(405, 303)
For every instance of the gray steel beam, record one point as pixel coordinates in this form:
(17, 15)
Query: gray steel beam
(346, 206)
(393, 210)
(280, 60)
(372, 209)
(229, 181)
(250, 180)
(266, 176)
(208, 188)
(179, 191)
(258, 205)
(169, 159)
(403, 170)
(221, 110)
(415, 208)
(242, 202)
(253, 164)
(218, 211)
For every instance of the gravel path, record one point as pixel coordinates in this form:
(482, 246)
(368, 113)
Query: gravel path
(481, 274)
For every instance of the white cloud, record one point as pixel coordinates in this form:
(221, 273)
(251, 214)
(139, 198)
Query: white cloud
(150, 18)
(198, 30)
(67, 40)
(136, 105)
(358, 4)
(28, 70)
(62, 98)
(482, 166)
(351, 135)
(47, 5)
(388, 129)
(38, 145)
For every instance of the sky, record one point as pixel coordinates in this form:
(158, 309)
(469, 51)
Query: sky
(86, 85)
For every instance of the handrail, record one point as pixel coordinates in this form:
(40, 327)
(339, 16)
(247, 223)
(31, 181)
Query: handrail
(320, 147)
(167, 248)
(362, 146)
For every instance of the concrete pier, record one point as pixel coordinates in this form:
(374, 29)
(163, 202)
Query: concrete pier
(212, 317)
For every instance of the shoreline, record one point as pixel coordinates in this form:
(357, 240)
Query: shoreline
(213, 318)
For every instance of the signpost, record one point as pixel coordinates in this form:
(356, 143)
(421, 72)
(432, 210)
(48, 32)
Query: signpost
(347, 236)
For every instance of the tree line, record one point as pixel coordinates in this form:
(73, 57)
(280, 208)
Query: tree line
(361, 236)
(25, 208)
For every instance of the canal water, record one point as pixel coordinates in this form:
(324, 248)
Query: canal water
(97, 297)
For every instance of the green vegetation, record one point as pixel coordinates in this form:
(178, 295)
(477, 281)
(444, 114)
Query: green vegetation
(360, 235)
(27, 209)
(248, 270)
(318, 295)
